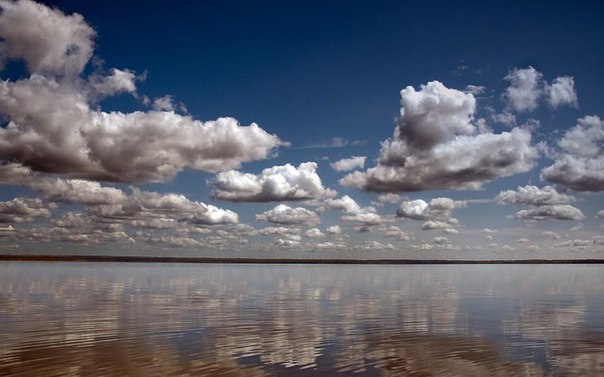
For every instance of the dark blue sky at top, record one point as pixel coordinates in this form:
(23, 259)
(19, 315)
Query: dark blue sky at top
(308, 70)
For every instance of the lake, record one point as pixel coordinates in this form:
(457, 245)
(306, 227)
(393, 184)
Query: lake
(139, 319)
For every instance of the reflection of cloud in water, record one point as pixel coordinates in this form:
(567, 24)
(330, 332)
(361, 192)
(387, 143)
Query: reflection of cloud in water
(306, 320)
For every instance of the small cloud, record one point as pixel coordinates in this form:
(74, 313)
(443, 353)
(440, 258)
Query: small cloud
(347, 164)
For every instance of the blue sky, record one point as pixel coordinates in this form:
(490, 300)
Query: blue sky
(423, 130)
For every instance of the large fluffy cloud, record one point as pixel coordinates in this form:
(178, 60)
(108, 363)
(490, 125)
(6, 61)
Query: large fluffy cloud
(580, 165)
(53, 128)
(279, 183)
(437, 146)
(49, 41)
(542, 203)
(283, 214)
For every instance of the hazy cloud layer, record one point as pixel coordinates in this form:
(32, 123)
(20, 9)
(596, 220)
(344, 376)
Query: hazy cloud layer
(52, 127)
(580, 165)
(437, 145)
(279, 183)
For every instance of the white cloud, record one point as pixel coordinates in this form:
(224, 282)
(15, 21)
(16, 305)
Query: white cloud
(438, 208)
(445, 226)
(562, 92)
(355, 213)
(524, 90)
(52, 126)
(440, 240)
(475, 89)
(283, 214)
(23, 209)
(280, 230)
(551, 234)
(49, 41)
(365, 218)
(601, 214)
(396, 232)
(279, 183)
(118, 81)
(437, 145)
(390, 198)
(581, 164)
(314, 233)
(334, 229)
(543, 203)
(347, 164)
(165, 103)
(533, 195)
(527, 87)
(547, 212)
(144, 206)
(346, 204)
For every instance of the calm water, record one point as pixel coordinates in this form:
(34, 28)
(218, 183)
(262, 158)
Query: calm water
(72, 319)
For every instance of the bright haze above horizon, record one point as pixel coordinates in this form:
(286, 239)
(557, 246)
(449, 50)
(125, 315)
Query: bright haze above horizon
(397, 129)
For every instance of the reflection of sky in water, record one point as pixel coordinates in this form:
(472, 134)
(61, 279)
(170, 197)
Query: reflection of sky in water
(256, 320)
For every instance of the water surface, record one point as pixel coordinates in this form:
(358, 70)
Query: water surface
(109, 319)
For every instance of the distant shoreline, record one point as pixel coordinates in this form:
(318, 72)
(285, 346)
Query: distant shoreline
(149, 259)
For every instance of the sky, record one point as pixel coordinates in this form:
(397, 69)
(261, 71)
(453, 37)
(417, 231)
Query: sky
(422, 130)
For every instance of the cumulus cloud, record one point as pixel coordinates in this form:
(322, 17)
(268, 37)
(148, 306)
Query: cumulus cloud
(437, 145)
(601, 214)
(119, 81)
(527, 87)
(55, 189)
(279, 183)
(165, 103)
(396, 232)
(20, 210)
(562, 92)
(345, 203)
(355, 213)
(347, 164)
(283, 214)
(543, 203)
(145, 205)
(580, 165)
(279, 230)
(314, 233)
(59, 44)
(438, 208)
(533, 195)
(53, 128)
(390, 198)
(547, 212)
(445, 226)
(524, 90)
(334, 230)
